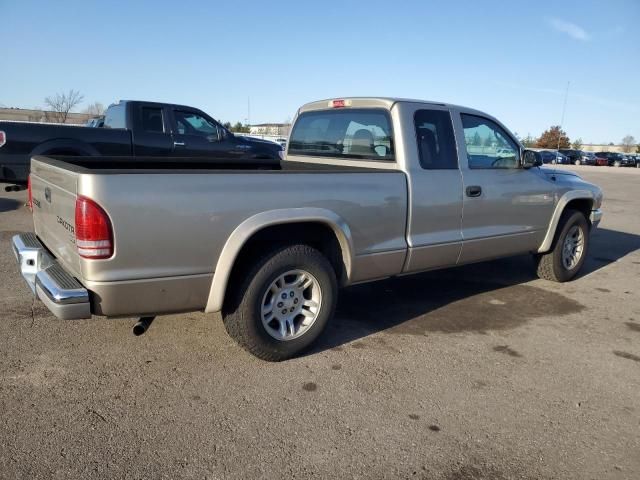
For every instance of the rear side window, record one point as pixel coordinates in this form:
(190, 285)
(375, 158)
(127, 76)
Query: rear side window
(115, 116)
(345, 133)
(436, 143)
(152, 120)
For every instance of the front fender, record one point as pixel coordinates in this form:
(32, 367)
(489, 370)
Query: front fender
(557, 213)
(254, 224)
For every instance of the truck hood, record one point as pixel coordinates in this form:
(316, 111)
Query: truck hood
(549, 172)
(566, 180)
(260, 141)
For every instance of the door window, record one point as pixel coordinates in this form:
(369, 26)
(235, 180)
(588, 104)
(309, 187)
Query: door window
(436, 144)
(189, 123)
(488, 145)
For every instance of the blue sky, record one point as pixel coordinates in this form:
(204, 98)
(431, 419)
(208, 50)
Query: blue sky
(511, 59)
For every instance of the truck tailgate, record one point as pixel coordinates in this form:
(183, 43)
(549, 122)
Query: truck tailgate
(54, 199)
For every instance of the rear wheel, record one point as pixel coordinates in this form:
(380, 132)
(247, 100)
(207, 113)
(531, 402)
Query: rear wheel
(284, 303)
(568, 251)
(577, 162)
(617, 163)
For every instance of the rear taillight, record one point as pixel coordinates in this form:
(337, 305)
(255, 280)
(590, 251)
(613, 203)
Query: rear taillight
(3, 138)
(29, 194)
(94, 237)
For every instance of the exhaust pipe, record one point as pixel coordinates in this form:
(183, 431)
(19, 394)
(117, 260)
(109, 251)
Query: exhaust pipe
(142, 325)
(14, 188)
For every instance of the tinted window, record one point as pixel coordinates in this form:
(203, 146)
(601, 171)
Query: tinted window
(436, 144)
(345, 133)
(488, 145)
(190, 123)
(115, 116)
(152, 120)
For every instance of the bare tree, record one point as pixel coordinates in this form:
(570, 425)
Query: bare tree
(95, 109)
(628, 142)
(62, 103)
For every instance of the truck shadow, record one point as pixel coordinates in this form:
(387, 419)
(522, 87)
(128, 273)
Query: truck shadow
(608, 246)
(8, 204)
(473, 298)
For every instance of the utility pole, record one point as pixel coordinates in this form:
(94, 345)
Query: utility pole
(564, 108)
(249, 111)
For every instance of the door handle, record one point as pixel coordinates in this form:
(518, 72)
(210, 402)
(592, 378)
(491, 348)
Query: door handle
(474, 191)
(178, 144)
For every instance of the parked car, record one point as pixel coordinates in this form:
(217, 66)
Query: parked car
(573, 156)
(270, 248)
(588, 158)
(552, 157)
(130, 129)
(616, 159)
(601, 161)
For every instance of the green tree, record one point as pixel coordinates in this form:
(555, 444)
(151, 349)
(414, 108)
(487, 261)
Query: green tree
(239, 127)
(477, 141)
(488, 141)
(554, 137)
(577, 144)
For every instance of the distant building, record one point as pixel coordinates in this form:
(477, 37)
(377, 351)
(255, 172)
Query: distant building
(275, 129)
(40, 116)
(595, 147)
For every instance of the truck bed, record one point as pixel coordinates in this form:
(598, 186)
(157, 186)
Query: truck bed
(25, 137)
(171, 219)
(174, 165)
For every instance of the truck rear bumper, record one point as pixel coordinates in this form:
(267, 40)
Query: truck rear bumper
(63, 295)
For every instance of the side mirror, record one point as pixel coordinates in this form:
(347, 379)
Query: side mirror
(216, 137)
(529, 159)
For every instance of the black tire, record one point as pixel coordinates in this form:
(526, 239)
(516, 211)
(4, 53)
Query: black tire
(549, 265)
(242, 313)
(577, 162)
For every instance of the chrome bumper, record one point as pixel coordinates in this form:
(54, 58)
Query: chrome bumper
(596, 216)
(63, 295)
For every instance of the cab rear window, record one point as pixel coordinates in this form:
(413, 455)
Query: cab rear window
(345, 133)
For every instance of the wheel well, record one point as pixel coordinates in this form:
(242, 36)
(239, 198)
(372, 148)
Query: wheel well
(62, 151)
(583, 205)
(315, 234)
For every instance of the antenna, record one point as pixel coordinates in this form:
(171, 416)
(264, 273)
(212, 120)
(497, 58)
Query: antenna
(249, 111)
(564, 108)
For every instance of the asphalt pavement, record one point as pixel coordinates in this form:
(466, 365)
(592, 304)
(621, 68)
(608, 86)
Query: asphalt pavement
(479, 372)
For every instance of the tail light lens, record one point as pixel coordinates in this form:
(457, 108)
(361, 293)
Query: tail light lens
(29, 194)
(94, 238)
(3, 138)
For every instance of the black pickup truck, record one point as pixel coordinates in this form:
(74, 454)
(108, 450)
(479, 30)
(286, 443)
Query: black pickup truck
(131, 128)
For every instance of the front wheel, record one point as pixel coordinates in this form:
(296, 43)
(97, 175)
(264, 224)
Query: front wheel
(568, 251)
(577, 162)
(617, 163)
(284, 303)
